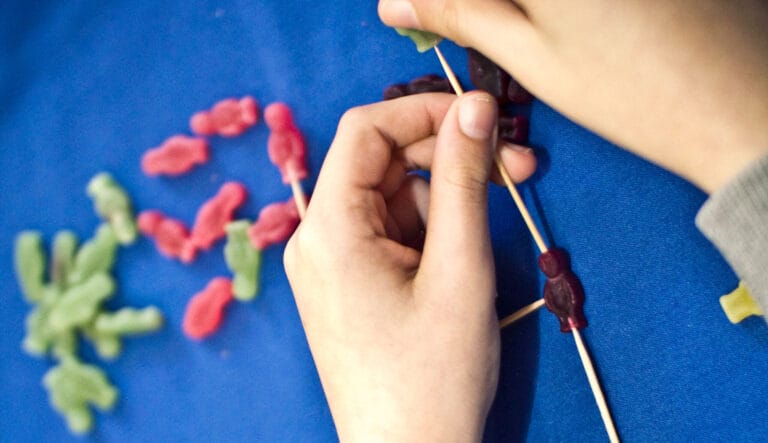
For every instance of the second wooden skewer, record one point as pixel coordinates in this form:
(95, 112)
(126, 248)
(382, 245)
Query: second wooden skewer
(589, 369)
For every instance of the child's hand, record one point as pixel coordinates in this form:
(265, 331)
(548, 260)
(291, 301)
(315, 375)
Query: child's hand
(406, 341)
(683, 83)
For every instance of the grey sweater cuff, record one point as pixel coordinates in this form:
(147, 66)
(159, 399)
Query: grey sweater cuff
(735, 219)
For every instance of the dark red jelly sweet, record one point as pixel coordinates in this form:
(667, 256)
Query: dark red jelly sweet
(513, 129)
(563, 292)
(429, 83)
(517, 94)
(488, 76)
(425, 83)
(395, 91)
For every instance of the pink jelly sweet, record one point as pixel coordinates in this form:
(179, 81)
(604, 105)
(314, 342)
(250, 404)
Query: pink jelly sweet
(275, 224)
(170, 235)
(286, 145)
(563, 292)
(213, 216)
(205, 310)
(176, 156)
(229, 117)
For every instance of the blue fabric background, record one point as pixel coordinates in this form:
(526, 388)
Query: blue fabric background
(88, 86)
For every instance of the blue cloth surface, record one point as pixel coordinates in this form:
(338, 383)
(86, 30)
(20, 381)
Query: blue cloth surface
(89, 86)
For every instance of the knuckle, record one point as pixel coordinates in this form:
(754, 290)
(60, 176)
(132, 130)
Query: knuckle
(466, 179)
(311, 247)
(450, 20)
(290, 258)
(353, 118)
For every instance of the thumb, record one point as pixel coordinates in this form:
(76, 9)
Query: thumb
(458, 236)
(468, 23)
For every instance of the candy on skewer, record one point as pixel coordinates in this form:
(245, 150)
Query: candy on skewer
(564, 297)
(563, 294)
(287, 150)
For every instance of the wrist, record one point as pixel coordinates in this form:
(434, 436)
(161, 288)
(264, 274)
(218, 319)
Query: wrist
(409, 430)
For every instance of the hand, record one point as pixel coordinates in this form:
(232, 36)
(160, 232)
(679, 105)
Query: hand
(683, 83)
(405, 338)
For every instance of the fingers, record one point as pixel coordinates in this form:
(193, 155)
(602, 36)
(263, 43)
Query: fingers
(519, 161)
(348, 188)
(408, 211)
(458, 239)
(469, 23)
(367, 136)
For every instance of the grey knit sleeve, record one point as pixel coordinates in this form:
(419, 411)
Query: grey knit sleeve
(735, 219)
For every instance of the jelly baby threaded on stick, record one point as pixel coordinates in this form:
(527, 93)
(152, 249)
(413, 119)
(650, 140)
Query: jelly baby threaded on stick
(562, 290)
(287, 150)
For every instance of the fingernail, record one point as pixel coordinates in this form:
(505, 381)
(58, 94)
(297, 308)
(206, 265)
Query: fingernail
(516, 148)
(477, 117)
(402, 13)
(510, 152)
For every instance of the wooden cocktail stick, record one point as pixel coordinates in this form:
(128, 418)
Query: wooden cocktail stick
(520, 313)
(299, 197)
(502, 170)
(589, 369)
(594, 383)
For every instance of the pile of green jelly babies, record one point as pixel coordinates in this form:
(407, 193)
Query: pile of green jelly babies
(70, 305)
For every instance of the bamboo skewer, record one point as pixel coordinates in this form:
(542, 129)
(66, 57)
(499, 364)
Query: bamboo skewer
(520, 313)
(589, 368)
(537, 237)
(594, 383)
(299, 197)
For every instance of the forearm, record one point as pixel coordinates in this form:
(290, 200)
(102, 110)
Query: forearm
(683, 84)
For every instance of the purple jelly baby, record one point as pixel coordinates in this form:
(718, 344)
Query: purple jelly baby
(563, 292)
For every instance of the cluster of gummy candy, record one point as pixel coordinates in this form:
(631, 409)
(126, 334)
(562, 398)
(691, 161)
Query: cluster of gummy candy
(215, 219)
(487, 76)
(70, 305)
